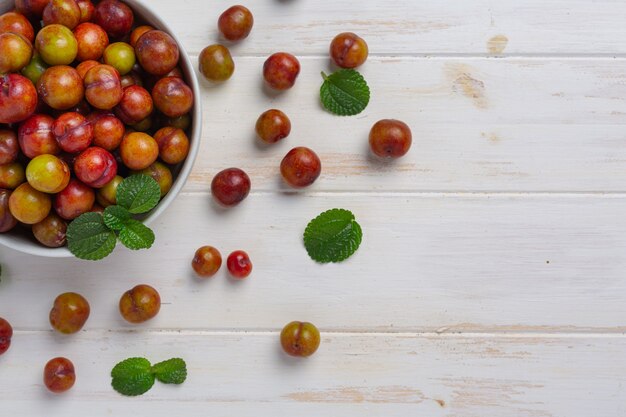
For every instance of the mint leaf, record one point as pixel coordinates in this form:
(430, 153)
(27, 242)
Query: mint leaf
(172, 371)
(89, 238)
(115, 217)
(135, 235)
(132, 377)
(138, 193)
(345, 92)
(333, 236)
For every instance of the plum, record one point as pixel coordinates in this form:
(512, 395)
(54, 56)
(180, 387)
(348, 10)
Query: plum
(62, 12)
(57, 45)
(51, 231)
(157, 52)
(48, 174)
(11, 175)
(92, 41)
(73, 132)
(300, 167)
(135, 106)
(87, 9)
(95, 167)
(31, 8)
(108, 130)
(29, 205)
(61, 87)
(120, 56)
(7, 221)
(17, 23)
(103, 87)
(235, 23)
(74, 200)
(18, 98)
(84, 67)
(15, 52)
(173, 144)
(115, 17)
(273, 125)
(348, 50)
(9, 146)
(172, 96)
(138, 33)
(107, 195)
(35, 136)
(281, 70)
(138, 150)
(35, 68)
(216, 63)
(161, 174)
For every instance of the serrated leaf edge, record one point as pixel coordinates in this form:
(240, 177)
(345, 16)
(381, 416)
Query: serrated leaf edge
(345, 252)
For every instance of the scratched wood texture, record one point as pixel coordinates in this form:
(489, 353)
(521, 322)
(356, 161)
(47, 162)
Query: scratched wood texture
(490, 280)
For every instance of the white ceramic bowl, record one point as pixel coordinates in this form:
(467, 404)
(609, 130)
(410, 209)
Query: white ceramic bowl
(24, 243)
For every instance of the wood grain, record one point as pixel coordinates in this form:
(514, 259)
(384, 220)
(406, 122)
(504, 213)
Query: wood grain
(370, 375)
(478, 125)
(409, 27)
(427, 263)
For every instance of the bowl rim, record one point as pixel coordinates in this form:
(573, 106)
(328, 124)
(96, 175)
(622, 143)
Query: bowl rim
(152, 18)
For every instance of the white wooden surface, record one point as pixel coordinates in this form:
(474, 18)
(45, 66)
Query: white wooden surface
(490, 281)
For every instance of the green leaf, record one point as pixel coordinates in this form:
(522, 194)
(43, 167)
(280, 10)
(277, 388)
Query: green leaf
(132, 377)
(345, 92)
(172, 371)
(115, 217)
(135, 235)
(89, 238)
(138, 193)
(333, 236)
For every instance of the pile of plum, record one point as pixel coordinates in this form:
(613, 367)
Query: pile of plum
(87, 97)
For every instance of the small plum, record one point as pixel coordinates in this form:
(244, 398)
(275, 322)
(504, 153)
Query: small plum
(28, 205)
(348, 50)
(92, 41)
(300, 167)
(390, 138)
(138, 150)
(281, 71)
(157, 52)
(35, 68)
(48, 174)
(6, 333)
(18, 98)
(172, 96)
(230, 187)
(69, 313)
(239, 264)
(107, 195)
(173, 144)
(181, 122)
(300, 339)
(57, 45)
(138, 33)
(85, 66)
(161, 174)
(51, 231)
(15, 52)
(9, 146)
(59, 375)
(132, 78)
(7, 221)
(140, 304)
(73, 132)
(136, 105)
(61, 87)
(272, 126)
(31, 8)
(143, 125)
(216, 63)
(115, 17)
(35, 136)
(108, 130)
(87, 9)
(17, 23)
(120, 56)
(103, 87)
(95, 167)
(206, 261)
(235, 23)
(12, 175)
(74, 200)
(62, 12)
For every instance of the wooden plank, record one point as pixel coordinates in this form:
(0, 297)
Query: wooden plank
(478, 27)
(478, 125)
(350, 375)
(427, 262)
